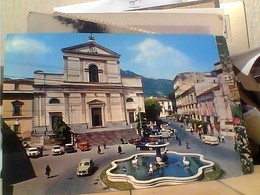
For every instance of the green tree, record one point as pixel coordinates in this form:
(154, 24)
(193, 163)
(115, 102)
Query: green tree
(62, 133)
(152, 109)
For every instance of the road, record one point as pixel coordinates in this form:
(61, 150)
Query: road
(65, 181)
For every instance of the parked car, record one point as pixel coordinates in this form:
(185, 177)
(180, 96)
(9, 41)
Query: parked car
(57, 150)
(86, 167)
(69, 148)
(142, 146)
(163, 135)
(33, 152)
(211, 140)
(84, 146)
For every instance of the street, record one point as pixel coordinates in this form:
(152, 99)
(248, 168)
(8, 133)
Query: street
(64, 180)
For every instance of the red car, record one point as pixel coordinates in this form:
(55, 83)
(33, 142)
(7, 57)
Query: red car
(84, 146)
(135, 141)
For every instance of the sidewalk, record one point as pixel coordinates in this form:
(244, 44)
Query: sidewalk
(246, 185)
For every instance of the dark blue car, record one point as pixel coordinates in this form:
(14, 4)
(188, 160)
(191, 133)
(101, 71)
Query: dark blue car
(142, 146)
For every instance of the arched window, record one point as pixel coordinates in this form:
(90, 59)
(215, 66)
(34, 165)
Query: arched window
(93, 73)
(54, 101)
(129, 100)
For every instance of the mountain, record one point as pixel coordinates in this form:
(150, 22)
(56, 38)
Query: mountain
(152, 87)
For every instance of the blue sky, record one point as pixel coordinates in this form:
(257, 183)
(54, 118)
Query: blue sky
(159, 56)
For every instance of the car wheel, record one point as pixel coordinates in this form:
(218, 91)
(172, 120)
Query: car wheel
(138, 148)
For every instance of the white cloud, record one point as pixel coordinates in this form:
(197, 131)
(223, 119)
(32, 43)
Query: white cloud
(20, 44)
(154, 57)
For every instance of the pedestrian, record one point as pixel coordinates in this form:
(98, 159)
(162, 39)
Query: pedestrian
(223, 139)
(235, 146)
(122, 140)
(48, 171)
(187, 145)
(179, 142)
(219, 139)
(99, 149)
(105, 145)
(199, 134)
(119, 150)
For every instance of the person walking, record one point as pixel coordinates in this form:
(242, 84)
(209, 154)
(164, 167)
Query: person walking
(219, 139)
(99, 149)
(119, 150)
(187, 145)
(48, 171)
(223, 139)
(179, 142)
(105, 145)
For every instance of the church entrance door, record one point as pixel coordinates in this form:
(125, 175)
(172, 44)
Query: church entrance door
(96, 117)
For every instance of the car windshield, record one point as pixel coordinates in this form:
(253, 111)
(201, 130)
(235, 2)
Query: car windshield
(33, 149)
(56, 147)
(84, 164)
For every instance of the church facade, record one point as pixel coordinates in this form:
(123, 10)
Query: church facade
(90, 94)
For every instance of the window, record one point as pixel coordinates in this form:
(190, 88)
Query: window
(93, 73)
(54, 101)
(129, 100)
(17, 108)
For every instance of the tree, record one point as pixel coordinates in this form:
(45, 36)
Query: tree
(152, 109)
(62, 133)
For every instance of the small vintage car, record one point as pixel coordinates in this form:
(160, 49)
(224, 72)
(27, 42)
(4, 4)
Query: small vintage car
(142, 146)
(84, 146)
(211, 140)
(33, 152)
(57, 150)
(86, 167)
(69, 148)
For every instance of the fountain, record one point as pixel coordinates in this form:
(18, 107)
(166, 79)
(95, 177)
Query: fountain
(145, 170)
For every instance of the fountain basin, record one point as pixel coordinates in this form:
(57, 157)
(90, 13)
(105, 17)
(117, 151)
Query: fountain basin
(179, 170)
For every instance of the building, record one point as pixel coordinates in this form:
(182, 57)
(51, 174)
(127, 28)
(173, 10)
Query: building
(186, 87)
(90, 94)
(18, 105)
(211, 108)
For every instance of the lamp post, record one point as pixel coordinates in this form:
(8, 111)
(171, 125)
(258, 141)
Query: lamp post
(140, 121)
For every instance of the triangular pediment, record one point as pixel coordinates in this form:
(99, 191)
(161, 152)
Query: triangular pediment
(96, 102)
(91, 48)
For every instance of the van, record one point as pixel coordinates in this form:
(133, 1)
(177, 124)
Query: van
(84, 146)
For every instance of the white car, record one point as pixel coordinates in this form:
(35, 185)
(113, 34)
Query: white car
(211, 140)
(33, 152)
(57, 150)
(86, 167)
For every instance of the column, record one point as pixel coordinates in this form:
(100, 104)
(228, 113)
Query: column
(122, 97)
(81, 77)
(65, 61)
(67, 110)
(109, 112)
(83, 107)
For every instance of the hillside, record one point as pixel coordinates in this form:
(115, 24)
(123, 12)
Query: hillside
(152, 87)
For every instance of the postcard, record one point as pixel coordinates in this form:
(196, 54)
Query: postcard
(94, 112)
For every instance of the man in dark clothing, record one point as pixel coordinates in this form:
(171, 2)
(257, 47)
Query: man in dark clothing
(119, 149)
(99, 149)
(48, 171)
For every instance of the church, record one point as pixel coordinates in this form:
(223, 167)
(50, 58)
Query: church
(91, 94)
